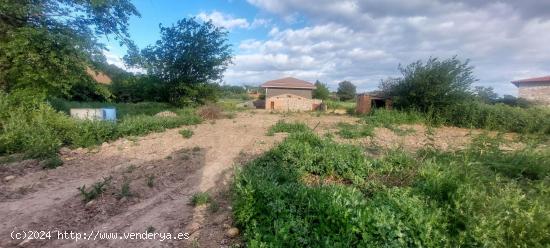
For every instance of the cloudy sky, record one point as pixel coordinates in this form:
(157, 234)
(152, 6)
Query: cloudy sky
(364, 41)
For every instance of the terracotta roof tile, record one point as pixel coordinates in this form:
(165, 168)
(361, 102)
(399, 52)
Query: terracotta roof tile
(532, 80)
(288, 82)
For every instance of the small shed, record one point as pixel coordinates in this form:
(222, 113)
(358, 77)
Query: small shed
(367, 101)
(289, 94)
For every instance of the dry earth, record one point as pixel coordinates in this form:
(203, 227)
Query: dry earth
(163, 171)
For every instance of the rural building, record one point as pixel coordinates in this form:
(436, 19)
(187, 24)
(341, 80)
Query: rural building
(289, 94)
(536, 90)
(368, 101)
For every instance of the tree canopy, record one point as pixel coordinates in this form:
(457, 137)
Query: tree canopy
(189, 57)
(48, 44)
(346, 91)
(321, 91)
(435, 84)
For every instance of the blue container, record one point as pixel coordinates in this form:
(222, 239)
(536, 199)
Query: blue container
(109, 114)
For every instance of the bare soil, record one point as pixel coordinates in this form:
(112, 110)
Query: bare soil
(163, 172)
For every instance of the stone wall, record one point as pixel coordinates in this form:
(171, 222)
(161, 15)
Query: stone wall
(535, 92)
(291, 102)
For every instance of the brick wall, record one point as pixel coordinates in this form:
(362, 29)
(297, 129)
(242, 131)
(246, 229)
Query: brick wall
(290, 102)
(535, 92)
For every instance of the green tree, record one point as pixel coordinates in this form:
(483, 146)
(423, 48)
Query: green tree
(346, 91)
(190, 57)
(433, 85)
(321, 91)
(48, 44)
(485, 94)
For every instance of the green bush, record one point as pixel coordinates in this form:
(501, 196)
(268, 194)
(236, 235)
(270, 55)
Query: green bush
(200, 198)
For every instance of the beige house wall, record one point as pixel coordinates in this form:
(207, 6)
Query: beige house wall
(535, 92)
(291, 103)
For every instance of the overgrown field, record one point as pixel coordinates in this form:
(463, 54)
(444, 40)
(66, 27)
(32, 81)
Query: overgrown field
(29, 125)
(312, 192)
(499, 117)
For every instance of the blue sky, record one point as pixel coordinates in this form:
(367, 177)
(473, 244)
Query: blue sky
(363, 41)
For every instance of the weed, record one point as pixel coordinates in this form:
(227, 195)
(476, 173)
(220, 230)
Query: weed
(400, 131)
(52, 163)
(130, 169)
(196, 149)
(186, 133)
(96, 190)
(213, 207)
(150, 229)
(210, 112)
(200, 198)
(150, 181)
(125, 191)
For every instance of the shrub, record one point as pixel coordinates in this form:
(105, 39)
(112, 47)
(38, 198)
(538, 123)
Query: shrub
(186, 133)
(52, 163)
(386, 118)
(95, 191)
(210, 112)
(285, 127)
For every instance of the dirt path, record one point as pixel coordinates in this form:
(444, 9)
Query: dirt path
(163, 171)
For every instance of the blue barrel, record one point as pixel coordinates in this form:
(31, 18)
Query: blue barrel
(109, 114)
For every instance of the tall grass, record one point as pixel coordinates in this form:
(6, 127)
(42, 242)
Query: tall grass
(123, 109)
(473, 114)
(480, 197)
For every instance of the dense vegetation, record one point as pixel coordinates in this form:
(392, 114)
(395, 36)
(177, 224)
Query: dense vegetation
(31, 126)
(441, 91)
(312, 192)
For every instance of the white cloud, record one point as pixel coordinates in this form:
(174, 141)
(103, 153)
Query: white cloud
(115, 59)
(364, 41)
(223, 20)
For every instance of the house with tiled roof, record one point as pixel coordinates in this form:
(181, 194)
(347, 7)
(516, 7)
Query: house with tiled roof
(289, 94)
(536, 90)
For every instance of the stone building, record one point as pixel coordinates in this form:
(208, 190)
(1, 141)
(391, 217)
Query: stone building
(536, 90)
(289, 94)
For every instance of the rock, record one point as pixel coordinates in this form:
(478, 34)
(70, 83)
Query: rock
(150, 167)
(232, 232)
(105, 144)
(9, 178)
(226, 226)
(64, 151)
(166, 114)
(123, 200)
(90, 203)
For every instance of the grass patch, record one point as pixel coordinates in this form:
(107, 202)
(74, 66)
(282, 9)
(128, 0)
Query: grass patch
(201, 198)
(186, 133)
(351, 131)
(478, 197)
(150, 181)
(285, 127)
